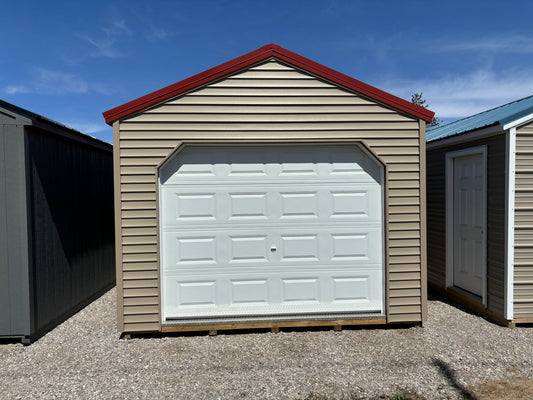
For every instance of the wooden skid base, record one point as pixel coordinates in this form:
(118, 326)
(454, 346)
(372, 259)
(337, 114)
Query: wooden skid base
(523, 321)
(273, 326)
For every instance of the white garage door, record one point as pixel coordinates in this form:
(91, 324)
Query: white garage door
(271, 230)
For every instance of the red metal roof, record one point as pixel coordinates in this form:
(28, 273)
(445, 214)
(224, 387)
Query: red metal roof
(265, 52)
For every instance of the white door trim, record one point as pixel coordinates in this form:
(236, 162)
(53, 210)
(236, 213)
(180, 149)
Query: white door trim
(510, 169)
(449, 188)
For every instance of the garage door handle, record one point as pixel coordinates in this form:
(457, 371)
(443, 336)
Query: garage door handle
(273, 248)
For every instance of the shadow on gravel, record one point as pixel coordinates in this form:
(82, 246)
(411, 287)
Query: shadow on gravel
(451, 376)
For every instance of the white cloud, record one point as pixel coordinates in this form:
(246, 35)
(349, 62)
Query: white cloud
(117, 28)
(105, 43)
(458, 96)
(58, 82)
(158, 33)
(104, 47)
(500, 44)
(88, 127)
(14, 89)
(55, 82)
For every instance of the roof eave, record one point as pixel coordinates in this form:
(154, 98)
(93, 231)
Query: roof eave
(265, 52)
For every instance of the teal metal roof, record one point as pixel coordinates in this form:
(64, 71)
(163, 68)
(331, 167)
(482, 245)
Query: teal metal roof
(497, 116)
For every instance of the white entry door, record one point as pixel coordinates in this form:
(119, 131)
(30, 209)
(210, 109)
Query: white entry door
(271, 230)
(469, 224)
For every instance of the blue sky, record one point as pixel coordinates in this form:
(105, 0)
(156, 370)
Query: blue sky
(72, 60)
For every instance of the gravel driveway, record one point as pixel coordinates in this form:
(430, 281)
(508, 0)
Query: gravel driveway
(84, 358)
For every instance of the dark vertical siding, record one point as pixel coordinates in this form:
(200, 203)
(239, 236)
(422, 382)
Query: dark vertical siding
(436, 214)
(72, 240)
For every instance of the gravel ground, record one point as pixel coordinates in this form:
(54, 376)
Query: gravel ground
(85, 358)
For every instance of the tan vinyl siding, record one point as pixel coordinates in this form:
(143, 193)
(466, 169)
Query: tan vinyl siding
(436, 217)
(268, 102)
(523, 251)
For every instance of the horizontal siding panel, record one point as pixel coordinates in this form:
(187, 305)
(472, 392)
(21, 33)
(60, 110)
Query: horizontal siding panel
(412, 284)
(139, 205)
(267, 109)
(404, 209)
(404, 201)
(295, 134)
(328, 91)
(144, 239)
(381, 146)
(138, 187)
(270, 126)
(128, 214)
(144, 257)
(139, 275)
(141, 301)
(142, 327)
(139, 231)
(142, 292)
(399, 318)
(403, 176)
(159, 152)
(403, 301)
(287, 99)
(265, 118)
(141, 309)
(140, 161)
(138, 179)
(142, 170)
(288, 73)
(405, 276)
(401, 192)
(405, 309)
(400, 268)
(140, 318)
(404, 226)
(254, 84)
(404, 184)
(397, 234)
(404, 251)
(152, 143)
(139, 223)
(405, 243)
(404, 218)
(396, 150)
(139, 266)
(140, 284)
(411, 292)
(405, 167)
(400, 159)
(271, 65)
(135, 196)
(138, 249)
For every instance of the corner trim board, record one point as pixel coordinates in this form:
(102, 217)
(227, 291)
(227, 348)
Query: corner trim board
(510, 170)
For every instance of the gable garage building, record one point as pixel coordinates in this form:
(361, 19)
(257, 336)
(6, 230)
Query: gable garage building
(269, 191)
(480, 211)
(56, 222)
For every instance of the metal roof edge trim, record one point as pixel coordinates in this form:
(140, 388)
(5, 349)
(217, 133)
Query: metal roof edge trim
(513, 123)
(263, 53)
(41, 122)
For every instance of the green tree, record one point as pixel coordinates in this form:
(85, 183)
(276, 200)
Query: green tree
(418, 99)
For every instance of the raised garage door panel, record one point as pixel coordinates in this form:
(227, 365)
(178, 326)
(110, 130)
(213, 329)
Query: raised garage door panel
(267, 230)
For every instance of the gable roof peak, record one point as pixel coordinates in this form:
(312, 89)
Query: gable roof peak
(263, 53)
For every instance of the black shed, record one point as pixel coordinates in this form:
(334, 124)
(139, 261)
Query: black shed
(56, 222)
